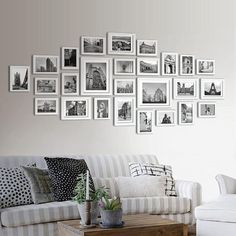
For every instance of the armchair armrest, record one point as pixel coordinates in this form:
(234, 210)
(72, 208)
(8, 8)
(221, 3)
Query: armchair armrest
(227, 185)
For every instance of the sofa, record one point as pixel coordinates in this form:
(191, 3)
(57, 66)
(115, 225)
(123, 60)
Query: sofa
(41, 219)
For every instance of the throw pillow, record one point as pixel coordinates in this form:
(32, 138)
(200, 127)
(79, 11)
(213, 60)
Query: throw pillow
(63, 173)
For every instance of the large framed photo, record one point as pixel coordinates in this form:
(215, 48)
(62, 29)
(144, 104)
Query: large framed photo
(154, 92)
(19, 77)
(145, 121)
(187, 65)
(165, 118)
(212, 89)
(70, 84)
(124, 111)
(75, 108)
(148, 66)
(102, 108)
(169, 62)
(186, 113)
(206, 109)
(124, 87)
(46, 106)
(69, 58)
(46, 86)
(121, 43)
(93, 45)
(96, 76)
(147, 48)
(205, 67)
(45, 64)
(124, 66)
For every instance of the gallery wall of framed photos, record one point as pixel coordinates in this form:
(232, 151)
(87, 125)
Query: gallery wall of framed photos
(118, 73)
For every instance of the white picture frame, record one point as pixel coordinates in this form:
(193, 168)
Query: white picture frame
(91, 45)
(206, 109)
(148, 66)
(186, 113)
(124, 66)
(69, 58)
(147, 48)
(212, 89)
(169, 63)
(46, 106)
(70, 84)
(187, 65)
(124, 87)
(145, 121)
(102, 108)
(46, 86)
(166, 118)
(205, 67)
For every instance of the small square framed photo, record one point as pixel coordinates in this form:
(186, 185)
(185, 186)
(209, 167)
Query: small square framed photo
(93, 45)
(186, 113)
(69, 58)
(19, 78)
(145, 121)
(169, 63)
(46, 106)
(187, 65)
(147, 48)
(205, 67)
(121, 43)
(124, 87)
(148, 66)
(102, 108)
(70, 84)
(46, 86)
(165, 118)
(212, 89)
(206, 109)
(75, 108)
(45, 65)
(124, 111)
(123, 66)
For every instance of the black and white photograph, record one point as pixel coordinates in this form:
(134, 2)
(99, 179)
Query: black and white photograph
(169, 63)
(45, 64)
(205, 67)
(186, 113)
(124, 87)
(93, 45)
(69, 58)
(187, 65)
(165, 118)
(212, 88)
(46, 86)
(148, 66)
(147, 48)
(123, 66)
(19, 77)
(70, 84)
(145, 121)
(102, 108)
(46, 106)
(206, 109)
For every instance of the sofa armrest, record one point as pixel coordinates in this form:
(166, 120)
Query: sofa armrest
(227, 185)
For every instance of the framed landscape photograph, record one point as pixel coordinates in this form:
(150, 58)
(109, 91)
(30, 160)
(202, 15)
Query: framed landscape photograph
(46, 86)
(186, 113)
(96, 76)
(70, 84)
(75, 108)
(19, 78)
(102, 108)
(169, 62)
(212, 89)
(145, 121)
(205, 67)
(45, 64)
(124, 111)
(46, 106)
(165, 118)
(93, 45)
(121, 43)
(124, 87)
(123, 66)
(187, 65)
(206, 109)
(147, 48)
(69, 58)
(148, 66)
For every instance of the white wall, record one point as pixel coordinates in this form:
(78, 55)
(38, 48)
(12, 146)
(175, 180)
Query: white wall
(204, 28)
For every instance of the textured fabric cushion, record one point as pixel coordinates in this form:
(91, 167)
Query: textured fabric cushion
(63, 173)
(139, 169)
(40, 184)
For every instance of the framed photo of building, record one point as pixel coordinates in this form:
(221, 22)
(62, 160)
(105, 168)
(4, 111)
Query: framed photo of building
(145, 121)
(46, 86)
(19, 78)
(165, 118)
(147, 48)
(124, 87)
(46, 106)
(96, 76)
(75, 108)
(212, 89)
(124, 66)
(121, 43)
(206, 109)
(169, 62)
(187, 65)
(102, 108)
(45, 64)
(70, 84)
(205, 67)
(148, 66)
(69, 58)
(124, 111)
(186, 113)
(93, 45)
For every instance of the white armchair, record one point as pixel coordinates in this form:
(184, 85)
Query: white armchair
(227, 185)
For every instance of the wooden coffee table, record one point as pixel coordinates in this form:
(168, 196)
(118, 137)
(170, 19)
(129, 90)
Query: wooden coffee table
(135, 225)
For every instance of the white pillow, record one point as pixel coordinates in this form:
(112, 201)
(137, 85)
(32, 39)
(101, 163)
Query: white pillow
(142, 186)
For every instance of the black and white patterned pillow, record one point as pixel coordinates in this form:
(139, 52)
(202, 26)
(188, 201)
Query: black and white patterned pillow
(139, 169)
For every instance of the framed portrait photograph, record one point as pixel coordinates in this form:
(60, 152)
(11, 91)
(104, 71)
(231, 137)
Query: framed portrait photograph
(185, 88)
(45, 64)
(165, 118)
(186, 113)
(169, 62)
(206, 109)
(148, 66)
(124, 87)
(46, 106)
(123, 66)
(102, 108)
(205, 67)
(121, 43)
(147, 48)
(212, 89)
(69, 58)
(76, 108)
(187, 65)
(145, 121)
(93, 45)
(46, 86)
(70, 84)
(96, 76)
(154, 92)
(19, 78)
(124, 111)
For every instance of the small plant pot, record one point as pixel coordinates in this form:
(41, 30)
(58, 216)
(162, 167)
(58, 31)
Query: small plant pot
(94, 212)
(111, 218)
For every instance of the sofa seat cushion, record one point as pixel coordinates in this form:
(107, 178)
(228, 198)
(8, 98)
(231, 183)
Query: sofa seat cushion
(42, 213)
